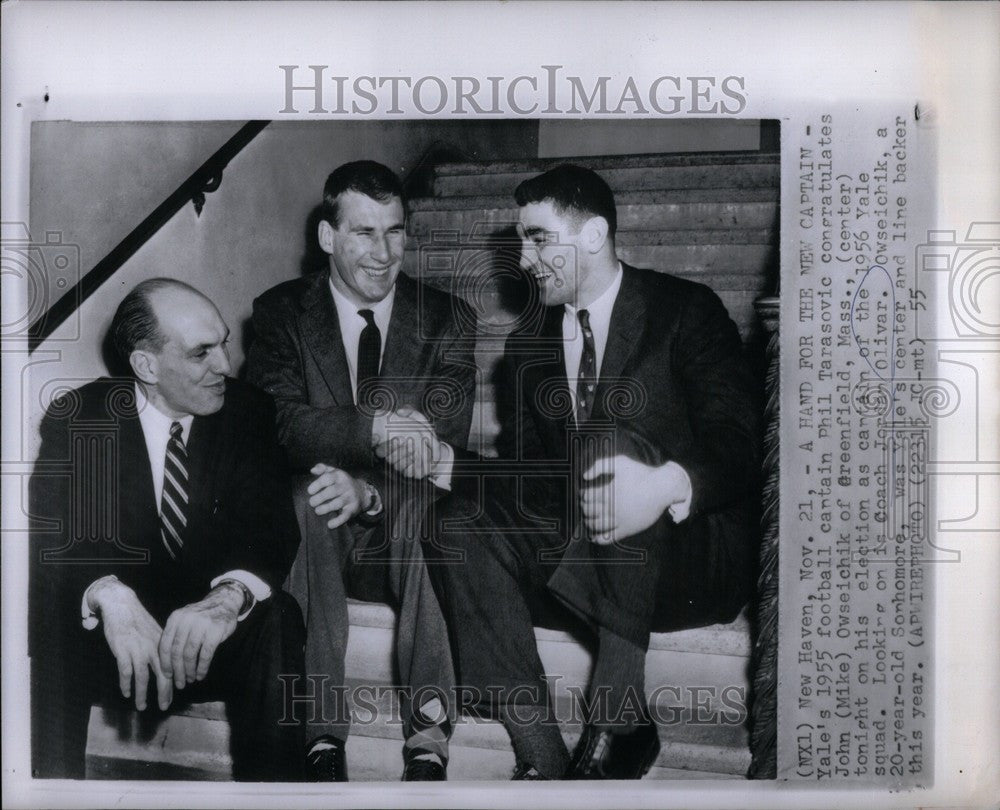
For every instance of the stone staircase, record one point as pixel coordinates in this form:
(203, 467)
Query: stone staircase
(709, 217)
(702, 713)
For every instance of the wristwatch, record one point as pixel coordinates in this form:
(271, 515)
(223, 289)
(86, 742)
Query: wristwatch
(249, 600)
(373, 501)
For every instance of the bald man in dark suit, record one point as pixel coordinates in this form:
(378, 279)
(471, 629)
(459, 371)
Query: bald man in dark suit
(165, 530)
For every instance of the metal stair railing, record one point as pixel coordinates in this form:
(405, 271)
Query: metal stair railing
(206, 179)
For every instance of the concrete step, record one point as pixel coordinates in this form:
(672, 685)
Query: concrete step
(631, 196)
(714, 659)
(491, 303)
(631, 178)
(708, 747)
(696, 680)
(500, 234)
(716, 639)
(709, 264)
(567, 663)
(609, 162)
(192, 742)
(195, 745)
(473, 270)
(496, 317)
(371, 759)
(631, 216)
(375, 712)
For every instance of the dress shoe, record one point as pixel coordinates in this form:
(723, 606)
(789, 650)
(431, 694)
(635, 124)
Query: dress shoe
(419, 768)
(602, 755)
(525, 772)
(329, 763)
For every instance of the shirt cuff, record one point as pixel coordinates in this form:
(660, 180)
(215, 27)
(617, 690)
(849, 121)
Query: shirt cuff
(441, 476)
(679, 510)
(259, 589)
(89, 618)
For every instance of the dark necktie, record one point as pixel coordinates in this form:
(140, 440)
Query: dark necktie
(173, 502)
(586, 381)
(369, 355)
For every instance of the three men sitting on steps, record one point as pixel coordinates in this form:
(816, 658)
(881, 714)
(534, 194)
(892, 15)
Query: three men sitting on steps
(623, 392)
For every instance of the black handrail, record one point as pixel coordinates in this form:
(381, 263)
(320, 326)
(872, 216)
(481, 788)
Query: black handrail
(205, 179)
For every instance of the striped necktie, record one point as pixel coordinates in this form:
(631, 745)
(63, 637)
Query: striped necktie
(586, 381)
(174, 499)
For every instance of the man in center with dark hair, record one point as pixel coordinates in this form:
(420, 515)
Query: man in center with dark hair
(375, 388)
(627, 408)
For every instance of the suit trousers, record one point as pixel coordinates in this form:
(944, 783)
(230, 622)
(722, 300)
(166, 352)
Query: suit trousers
(266, 741)
(520, 555)
(375, 561)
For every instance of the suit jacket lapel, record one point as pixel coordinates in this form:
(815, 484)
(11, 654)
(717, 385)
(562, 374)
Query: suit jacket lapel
(138, 510)
(321, 333)
(628, 318)
(548, 383)
(403, 345)
(202, 446)
(209, 450)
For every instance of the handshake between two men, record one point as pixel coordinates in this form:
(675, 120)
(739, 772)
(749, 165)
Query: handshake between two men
(619, 497)
(406, 441)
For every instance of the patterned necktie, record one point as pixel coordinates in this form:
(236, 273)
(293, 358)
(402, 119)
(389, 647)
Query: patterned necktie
(369, 356)
(174, 500)
(586, 381)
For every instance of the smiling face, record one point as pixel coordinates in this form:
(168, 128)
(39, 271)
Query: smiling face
(550, 252)
(366, 247)
(188, 374)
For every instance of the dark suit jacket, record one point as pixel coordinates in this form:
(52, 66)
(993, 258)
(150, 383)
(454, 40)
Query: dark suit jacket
(94, 510)
(298, 357)
(673, 386)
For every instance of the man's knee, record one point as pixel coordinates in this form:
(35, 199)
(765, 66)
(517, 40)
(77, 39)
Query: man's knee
(312, 527)
(300, 498)
(451, 530)
(280, 619)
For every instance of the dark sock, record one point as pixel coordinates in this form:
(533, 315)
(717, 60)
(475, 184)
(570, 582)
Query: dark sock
(535, 741)
(618, 685)
(323, 741)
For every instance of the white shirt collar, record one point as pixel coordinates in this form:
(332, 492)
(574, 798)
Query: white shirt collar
(600, 325)
(600, 309)
(351, 325)
(153, 419)
(156, 431)
(347, 311)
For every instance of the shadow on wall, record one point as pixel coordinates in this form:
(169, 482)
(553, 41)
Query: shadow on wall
(313, 259)
(115, 365)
